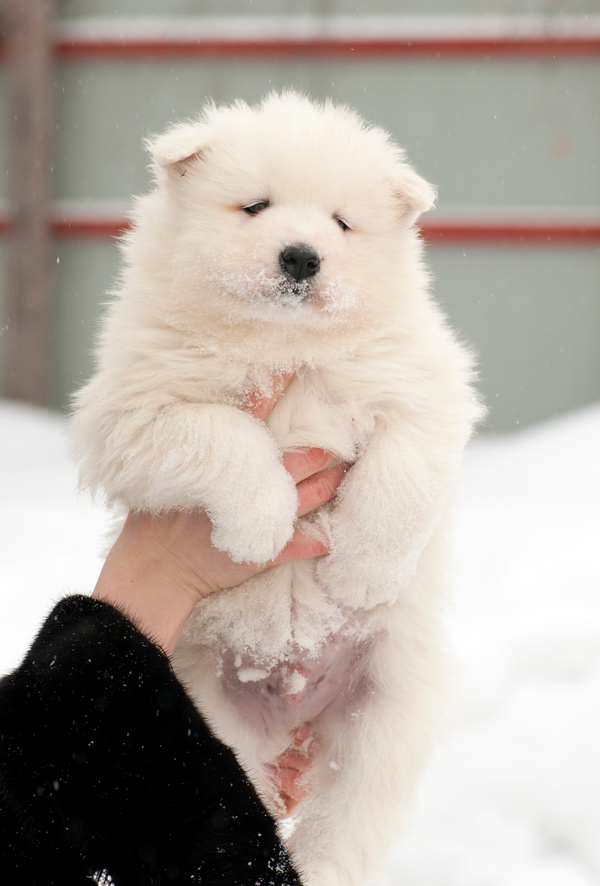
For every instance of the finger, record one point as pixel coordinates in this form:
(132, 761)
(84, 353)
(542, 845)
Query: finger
(306, 462)
(259, 404)
(302, 547)
(316, 490)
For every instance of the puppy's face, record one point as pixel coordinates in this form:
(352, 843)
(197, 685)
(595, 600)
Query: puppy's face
(290, 211)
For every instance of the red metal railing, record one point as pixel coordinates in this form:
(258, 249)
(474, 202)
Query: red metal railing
(338, 36)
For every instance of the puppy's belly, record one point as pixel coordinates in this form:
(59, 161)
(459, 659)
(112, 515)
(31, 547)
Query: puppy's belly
(296, 704)
(304, 689)
(279, 668)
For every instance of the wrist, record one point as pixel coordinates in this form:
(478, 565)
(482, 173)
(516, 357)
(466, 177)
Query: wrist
(150, 585)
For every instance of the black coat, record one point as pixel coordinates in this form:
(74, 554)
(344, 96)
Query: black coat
(106, 768)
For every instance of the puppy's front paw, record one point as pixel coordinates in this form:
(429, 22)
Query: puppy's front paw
(258, 519)
(352, 581)
(214, 458)
(365, 568)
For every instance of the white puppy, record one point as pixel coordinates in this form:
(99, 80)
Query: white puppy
(280, 239)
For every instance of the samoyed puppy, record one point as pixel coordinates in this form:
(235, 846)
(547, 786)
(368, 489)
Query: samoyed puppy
(280, 239)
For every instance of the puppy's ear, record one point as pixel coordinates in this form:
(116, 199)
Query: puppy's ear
(175, 149)
(413, 194)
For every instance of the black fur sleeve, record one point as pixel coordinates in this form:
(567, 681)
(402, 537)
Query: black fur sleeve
(107, 770)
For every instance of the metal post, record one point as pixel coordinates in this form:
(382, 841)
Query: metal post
(29, 68)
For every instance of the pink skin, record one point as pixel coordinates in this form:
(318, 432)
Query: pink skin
(161, 566)
(290, 769)
(300, 697)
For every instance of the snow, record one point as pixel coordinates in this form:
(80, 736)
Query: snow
(512, 798)
(50, 537)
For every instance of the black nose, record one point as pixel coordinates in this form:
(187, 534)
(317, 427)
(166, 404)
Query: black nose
(299, 261)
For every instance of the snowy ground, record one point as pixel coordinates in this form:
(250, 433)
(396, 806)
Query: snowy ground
(513, 798)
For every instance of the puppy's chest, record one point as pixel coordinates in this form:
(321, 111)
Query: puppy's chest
(318, 410)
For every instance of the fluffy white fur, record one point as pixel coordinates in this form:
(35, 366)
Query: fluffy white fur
(204, 316)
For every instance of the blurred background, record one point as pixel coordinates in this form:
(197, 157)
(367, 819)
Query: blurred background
(496, 101)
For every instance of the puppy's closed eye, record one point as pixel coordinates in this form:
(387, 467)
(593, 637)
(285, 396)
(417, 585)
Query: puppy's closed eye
(256, 208)
(341, 223)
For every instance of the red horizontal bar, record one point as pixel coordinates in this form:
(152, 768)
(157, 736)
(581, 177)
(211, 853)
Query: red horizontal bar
(323, 48)
(256, 37)
(445, 229)
(515, 232)
(338, 36)
(101, 228)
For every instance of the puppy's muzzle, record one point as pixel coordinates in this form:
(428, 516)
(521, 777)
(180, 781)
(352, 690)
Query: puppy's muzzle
(299, 261)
